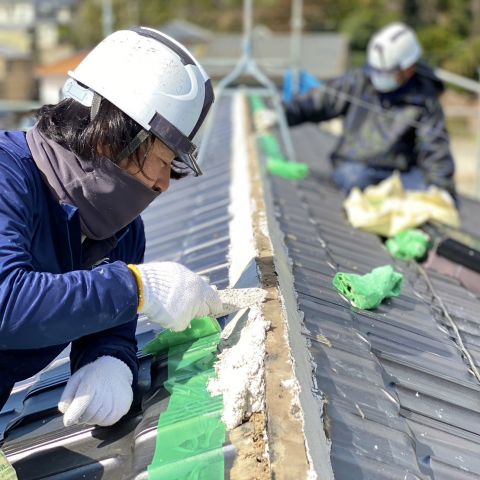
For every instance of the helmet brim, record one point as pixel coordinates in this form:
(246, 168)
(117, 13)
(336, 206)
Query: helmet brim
(184, 149)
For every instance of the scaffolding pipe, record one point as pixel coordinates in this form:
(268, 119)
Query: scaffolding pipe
(458, 80)
(247, 66)
(247, 29)
(107, 17)
(296, 24)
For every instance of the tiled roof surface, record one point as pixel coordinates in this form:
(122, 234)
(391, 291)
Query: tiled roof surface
(400, 399)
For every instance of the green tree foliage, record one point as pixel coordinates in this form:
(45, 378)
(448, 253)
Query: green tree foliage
(465, 60)
(446, 28)
(439, 43)
(360, 24)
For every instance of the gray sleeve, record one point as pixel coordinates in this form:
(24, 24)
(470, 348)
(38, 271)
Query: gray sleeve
(433, 148)
(328, 101)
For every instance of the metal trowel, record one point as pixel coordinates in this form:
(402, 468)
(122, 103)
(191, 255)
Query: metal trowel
(233, 300)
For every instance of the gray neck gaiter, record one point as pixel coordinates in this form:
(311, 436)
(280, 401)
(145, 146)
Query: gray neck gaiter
(107, 197)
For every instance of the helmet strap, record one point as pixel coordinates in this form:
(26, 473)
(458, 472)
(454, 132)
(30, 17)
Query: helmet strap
(97, 100)
(139, 138)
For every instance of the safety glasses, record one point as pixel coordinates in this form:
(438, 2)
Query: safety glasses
(180, 144)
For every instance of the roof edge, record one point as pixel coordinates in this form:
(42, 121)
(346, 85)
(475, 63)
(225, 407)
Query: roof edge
(298, 449)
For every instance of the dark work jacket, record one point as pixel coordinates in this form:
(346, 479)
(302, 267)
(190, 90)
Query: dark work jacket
(399, 129)
(50, 295)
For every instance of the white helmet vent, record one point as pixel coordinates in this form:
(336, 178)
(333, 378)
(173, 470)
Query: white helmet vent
(394, 47)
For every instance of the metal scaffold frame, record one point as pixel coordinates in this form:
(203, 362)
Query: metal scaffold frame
(247, 67)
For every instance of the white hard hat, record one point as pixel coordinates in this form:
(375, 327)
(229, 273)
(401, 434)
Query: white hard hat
(396, 46)
(154, 80)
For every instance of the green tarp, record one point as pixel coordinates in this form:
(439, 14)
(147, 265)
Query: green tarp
(368, 291)
(411, 244)
(190, 433)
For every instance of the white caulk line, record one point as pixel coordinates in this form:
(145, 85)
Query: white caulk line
(242, 248)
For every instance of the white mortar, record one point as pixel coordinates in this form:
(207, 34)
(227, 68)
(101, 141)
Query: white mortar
(240, 372)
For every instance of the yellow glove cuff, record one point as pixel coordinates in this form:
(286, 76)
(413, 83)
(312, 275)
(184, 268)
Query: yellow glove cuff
(141, 295)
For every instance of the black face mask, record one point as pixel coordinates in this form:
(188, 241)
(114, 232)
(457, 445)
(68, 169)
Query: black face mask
(107, 197)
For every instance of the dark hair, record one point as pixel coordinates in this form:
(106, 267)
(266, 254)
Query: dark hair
(68, 123)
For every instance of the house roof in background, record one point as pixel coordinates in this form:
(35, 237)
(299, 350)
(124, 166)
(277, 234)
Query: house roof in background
(185, 32)
(61, 67)
(12, 53)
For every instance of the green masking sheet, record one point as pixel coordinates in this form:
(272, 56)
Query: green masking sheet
(190, 433)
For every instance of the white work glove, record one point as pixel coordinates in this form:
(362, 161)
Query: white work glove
(99, 393)
(264, 119)
(173, 295)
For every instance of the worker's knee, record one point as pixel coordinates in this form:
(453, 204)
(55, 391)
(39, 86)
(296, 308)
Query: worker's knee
(349, 175)
(414, 179)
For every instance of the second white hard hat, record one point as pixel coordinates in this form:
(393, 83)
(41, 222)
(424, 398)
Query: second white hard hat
(396, 46)
(154, 80)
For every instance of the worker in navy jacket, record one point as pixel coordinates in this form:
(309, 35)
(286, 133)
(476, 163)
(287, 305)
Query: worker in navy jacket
(71, 239)
(392, 117)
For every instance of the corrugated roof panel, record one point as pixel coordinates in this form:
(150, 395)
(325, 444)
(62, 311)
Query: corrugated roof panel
(396, 383)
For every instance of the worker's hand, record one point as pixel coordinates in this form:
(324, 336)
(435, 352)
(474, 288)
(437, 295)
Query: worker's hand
(264, 120)
(99, 393)
(172, 295)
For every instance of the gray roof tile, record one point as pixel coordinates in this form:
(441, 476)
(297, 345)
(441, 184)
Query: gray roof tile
(397, 386)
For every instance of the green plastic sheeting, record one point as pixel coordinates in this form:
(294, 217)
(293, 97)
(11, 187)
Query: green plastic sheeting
(199, 327)
(409, 245)
(190, 434)
(257, 103)
(277, 164)
(288, 170)
(270, 146)
(368, 291)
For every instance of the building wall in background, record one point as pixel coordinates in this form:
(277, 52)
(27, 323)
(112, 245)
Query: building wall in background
(16, 78)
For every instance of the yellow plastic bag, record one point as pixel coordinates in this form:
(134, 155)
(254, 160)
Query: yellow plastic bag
(387, 209)
(7, 472)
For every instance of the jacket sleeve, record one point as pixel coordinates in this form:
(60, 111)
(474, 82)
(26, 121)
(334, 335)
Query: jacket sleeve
(41, 309)
(119, 342)
(432, 143)
(328, 101)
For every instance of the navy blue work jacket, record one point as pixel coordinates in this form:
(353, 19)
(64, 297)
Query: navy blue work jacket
(50, 295)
